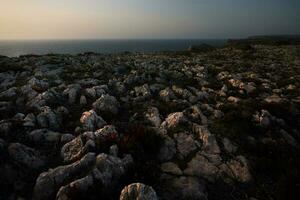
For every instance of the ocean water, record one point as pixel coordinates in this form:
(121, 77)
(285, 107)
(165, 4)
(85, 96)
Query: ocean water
(14, 48)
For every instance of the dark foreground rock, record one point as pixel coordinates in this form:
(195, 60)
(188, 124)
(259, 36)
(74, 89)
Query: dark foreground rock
(210, 123)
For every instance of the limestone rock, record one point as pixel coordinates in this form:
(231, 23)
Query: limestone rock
(48, 183)
(91, 121)
(138, 191)
(25, 156)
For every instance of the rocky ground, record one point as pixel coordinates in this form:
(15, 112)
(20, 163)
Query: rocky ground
(221, 124)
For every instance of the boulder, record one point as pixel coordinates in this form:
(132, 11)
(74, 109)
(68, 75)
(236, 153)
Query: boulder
(202, 167)
(9, 94)
(210, 144)
(48, 119)
(107, 134)
(175, 120)
(25, 156)
(239, 169)
(171, 168)
(38, 85)
(152, 116)
(72, 93)
(228, 146)
(183, 187)
(48, 183)
(143, 90)
(91, 121)
(185, 144)
(167, 95)
(75, 149)
(167, 150)
(106, 104)
(138, 191)
(87, 142)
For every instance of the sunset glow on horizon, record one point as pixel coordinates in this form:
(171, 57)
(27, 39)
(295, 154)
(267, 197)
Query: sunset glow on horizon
(134, 19)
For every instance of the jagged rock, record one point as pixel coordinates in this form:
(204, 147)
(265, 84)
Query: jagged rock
(91, 93)
(62, 111)
(202, 167)
(100, 90)
(228, 146)
(171, 168)
(274, 99)
(5, 107)
(48, 119)
(288, 138)
(263, 118)
(5, 127)
(152, 116)
(45, 137)
(106, 104)
(210, 144)
(25, 156)
(167, 95)
(65, 138)
(48, 183)
(9, 94)
(184, 93)
(239, 169)
(183, 187)
(79, 187)
(233, 99)
(74, 149)
(38, 85)
(50, 97)
(72, 93)
(107, 134)
(143, 90)
(195, 114)
(138, 191)
(185, 144)
(223, 75)
(113, 150)
(103, 175)
(174, 120)
(19, 117)
(112, 168)
(167, 150)
(249, 87)
(87, 142)
(235, 83)
(2, 146)
(83, 100)
(91, 121)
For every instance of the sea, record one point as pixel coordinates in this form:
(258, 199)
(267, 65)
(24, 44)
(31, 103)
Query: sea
(14, 48)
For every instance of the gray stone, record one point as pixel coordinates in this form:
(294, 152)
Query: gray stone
(152, 116)
(48, 183)
(91, 121)
(106, 104)
(25, 156)
(171, 168)
(185, 144)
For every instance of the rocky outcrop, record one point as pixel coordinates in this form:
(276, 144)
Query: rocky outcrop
(199, 125)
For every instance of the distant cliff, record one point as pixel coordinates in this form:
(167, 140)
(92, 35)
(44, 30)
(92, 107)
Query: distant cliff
(267, 40)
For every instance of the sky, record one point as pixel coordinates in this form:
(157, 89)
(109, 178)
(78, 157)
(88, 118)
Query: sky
(147, 19)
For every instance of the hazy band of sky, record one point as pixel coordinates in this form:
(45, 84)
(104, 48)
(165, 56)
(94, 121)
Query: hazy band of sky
(138, 19)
